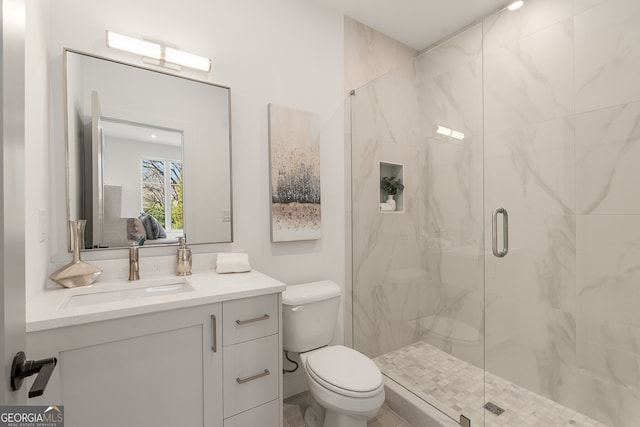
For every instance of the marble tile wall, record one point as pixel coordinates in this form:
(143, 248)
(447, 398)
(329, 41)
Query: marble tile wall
(368, 55)
(406, 267)
(549, 100)
(607, 95)
(529, 163)
(388, 270)
(562, 131)
(451, 226)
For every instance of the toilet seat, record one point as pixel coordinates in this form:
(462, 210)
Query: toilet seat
(344, 371)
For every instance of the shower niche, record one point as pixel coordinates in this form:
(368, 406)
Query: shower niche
(391, 187)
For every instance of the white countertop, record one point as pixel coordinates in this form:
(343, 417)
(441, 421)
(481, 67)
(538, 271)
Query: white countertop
(50, 309)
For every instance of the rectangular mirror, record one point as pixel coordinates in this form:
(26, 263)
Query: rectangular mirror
(148, 154)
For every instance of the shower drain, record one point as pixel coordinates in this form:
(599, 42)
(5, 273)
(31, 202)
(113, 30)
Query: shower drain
(493, 408)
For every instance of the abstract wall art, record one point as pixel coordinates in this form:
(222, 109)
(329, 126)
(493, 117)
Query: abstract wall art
(295, 174)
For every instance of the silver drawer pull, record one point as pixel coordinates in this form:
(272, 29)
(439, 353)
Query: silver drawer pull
(254, 377)
(257, 319)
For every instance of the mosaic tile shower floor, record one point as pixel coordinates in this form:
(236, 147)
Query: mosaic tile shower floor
(459, 386)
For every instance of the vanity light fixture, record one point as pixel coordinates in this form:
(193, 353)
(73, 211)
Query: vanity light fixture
(158, 54)
(515, 5)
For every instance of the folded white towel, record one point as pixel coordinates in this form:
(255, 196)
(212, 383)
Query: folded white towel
(232, 262)
(385, 207)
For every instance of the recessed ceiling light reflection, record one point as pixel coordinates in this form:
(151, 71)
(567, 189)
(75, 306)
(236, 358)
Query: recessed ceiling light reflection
(153, 136)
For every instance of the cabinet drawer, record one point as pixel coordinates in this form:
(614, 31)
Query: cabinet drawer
(250, 374)
(249, 318)
(267, 415)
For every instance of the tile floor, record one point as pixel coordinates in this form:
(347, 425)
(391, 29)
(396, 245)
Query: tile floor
(436, 376)
(295, 406)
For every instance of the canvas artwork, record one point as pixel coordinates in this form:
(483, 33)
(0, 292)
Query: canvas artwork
(295, 174)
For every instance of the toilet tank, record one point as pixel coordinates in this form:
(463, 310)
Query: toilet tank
(309, 315)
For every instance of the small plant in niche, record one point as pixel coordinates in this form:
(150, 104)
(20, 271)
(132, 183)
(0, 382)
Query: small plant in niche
(391, 185)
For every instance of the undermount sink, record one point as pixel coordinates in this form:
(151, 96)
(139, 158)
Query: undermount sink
(137, 291)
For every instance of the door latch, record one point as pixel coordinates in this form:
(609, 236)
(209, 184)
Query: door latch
(22, 368)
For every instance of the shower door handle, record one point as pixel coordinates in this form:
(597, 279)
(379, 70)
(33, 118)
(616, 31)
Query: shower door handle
(505, 232)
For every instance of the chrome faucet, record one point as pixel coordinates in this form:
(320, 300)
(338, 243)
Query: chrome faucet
(134, 264)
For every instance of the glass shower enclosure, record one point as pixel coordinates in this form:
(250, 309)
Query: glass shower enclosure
(504, 285)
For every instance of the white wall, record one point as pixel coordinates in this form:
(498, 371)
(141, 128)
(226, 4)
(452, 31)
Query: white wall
(283, 51)
(37, 102)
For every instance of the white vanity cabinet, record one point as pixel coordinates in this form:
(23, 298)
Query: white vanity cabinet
(252, 362)
(169, 368)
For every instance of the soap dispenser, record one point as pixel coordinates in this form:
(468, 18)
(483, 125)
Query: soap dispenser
(184, 258)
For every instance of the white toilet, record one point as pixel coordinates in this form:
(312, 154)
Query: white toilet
(345, 386)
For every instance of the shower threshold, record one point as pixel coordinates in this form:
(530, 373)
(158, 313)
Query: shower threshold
(457, 388)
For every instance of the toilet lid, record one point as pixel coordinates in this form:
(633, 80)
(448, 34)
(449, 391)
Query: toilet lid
(344, 370)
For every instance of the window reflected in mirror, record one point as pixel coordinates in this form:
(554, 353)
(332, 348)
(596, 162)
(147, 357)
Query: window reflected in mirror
(162, 192)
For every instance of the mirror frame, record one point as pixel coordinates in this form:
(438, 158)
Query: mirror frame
(65, 52)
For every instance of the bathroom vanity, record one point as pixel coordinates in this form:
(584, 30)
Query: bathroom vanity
(205, 351)
(165, 351)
